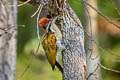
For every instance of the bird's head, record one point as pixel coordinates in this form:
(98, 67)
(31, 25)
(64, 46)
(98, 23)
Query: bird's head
(43, 22)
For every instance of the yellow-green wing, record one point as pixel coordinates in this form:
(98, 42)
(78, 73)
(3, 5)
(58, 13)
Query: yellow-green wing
(49, 45)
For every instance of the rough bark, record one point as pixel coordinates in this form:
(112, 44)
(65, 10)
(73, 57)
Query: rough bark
(8, 32)
(74, 57)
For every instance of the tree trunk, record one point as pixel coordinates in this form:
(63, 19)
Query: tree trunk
(8, 32)
(91, 47)
(74, 57)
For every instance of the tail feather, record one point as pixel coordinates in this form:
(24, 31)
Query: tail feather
(53, 68)
(59, 66)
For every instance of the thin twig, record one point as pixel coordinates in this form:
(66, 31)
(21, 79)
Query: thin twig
(109, 51)
(21, 76)
(116, 19)
(36, 11)
(115, 7)
(43, 37)
(8, 27)
(41, 6)
(24, 3)
(100, 13)
(108, 69)
(115, 60)
(92, 72)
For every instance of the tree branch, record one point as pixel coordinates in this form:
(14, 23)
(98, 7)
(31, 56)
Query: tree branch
(8, 42)
(108, 69)
(100, 13)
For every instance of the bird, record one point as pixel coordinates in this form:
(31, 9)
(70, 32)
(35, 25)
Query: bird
(49, 44)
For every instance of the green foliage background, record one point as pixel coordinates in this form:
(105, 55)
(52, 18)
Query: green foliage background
(40, 68)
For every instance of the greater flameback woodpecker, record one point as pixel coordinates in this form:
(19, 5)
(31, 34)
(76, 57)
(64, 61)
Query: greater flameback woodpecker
(49, 44)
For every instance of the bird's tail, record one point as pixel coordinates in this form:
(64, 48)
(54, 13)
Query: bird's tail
(59, 66)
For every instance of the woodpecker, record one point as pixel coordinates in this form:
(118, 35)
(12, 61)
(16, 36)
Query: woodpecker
(51, 43)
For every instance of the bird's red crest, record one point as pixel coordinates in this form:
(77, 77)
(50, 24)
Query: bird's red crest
(43, 21)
